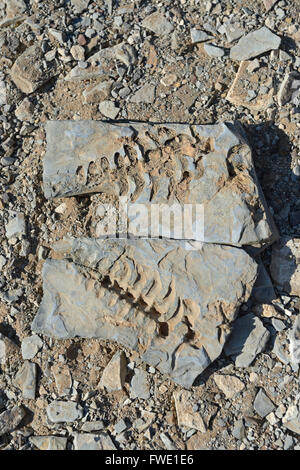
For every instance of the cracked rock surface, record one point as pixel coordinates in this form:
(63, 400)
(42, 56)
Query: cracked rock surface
(164, 164)
(165, 299)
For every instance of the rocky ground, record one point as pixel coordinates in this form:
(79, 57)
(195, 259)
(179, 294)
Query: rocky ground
(182, 61)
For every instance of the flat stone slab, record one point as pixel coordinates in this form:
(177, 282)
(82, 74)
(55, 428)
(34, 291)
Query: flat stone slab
(171, 301)
(254, 44)
(164, 164)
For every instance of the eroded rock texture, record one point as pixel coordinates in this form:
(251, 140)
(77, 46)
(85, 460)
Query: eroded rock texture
(168, 164)
(171, 301)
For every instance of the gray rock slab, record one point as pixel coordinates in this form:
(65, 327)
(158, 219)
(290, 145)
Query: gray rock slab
(25, 379)
(213, 51)
(291, 420)
(262, 404)
(145, 94)
(254, 44)
(193, 291)
(16, 227)
(140, 387)
(49, 442)
(207, 166)
(30, 346)
(285, 267)
(158, 24)
(249, 338)
(101, 441)
(64, 411)
(199, 36)
(11, 419)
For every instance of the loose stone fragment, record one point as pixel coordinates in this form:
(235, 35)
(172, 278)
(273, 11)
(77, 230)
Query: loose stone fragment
(285, 268)
(291, 420)
(145, 94)
(92, 426)
(63, 379)
(77, 52)
(29, 71)
(101, 441)
(26, 380)
(49, 442)
(109, 109)
(16, 227)
(113, 376)
(158, 24)
(30, 346)
(248, 339)
(184, 410)
(209, 166)
(213, 51)
(199, 36)
(139, 385)
(64, 411)
(262, 404)
(11, 419)
(269, 4)
(254, 44)
(174, 281)
(229, 385)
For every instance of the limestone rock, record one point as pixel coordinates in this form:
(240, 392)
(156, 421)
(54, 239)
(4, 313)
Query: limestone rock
(285, 267)
(101, 441)
(222, 182)
(145, 94)
(139, 385)
(114, 374)
(169, 278)
(16, 227)
(63, 378)
(255, 43)
(213, 51)
(184, 411)
(248, 339)
(262, 404)
(291, 420)
(29, 71)
(26, 380)
(11, 419)
(49, 442)
(199, 36)
(269, 4)
(64, 411)
(109, 109)
(158, 24)
(229, 385)
(30, 346)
